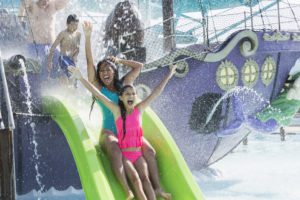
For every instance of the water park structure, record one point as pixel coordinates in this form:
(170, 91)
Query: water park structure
(235, 58)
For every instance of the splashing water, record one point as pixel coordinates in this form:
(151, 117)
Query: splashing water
(28, 102)
(236, 91)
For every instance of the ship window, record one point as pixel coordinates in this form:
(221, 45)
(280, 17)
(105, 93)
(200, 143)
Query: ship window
(182, 69)
(227, 75)
(268, 70)
(250, 73)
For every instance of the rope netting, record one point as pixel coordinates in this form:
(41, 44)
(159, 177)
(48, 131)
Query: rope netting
(216, 25)
(203, 25)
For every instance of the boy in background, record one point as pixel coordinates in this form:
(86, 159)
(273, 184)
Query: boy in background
(40, 15)
(68, 41)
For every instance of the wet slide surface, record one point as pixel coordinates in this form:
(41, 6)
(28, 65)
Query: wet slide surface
(96, 176)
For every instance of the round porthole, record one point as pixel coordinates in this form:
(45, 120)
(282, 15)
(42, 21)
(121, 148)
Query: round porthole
(227, 75)
(182, 69)
(268, 70)
(250, 73)
(142, 91)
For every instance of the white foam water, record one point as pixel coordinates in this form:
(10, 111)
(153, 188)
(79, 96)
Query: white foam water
(266, 168)
(237, 91)
(52, 194)
(33, 141)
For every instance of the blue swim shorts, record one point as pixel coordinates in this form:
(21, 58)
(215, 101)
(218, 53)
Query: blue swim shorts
(64, 63)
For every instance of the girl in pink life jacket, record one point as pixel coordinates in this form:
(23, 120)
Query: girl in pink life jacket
(128, 119)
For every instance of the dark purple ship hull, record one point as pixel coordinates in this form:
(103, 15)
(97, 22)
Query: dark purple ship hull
(187, 101)
(184, 106)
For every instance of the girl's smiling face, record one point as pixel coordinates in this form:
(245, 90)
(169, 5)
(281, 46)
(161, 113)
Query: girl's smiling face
(128, 97)
(106, 74)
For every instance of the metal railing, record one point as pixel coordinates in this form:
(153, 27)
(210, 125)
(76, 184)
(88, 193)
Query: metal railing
(5, 161)
(11, 123)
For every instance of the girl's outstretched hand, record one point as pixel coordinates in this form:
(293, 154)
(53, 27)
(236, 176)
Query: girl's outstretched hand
(87, 28)
(172, 69)
(75, 72)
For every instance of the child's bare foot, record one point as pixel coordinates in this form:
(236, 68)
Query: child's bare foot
(163, 194)
(129, 196)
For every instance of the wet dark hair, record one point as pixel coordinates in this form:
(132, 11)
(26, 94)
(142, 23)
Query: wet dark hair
(72, 18)
(117, 82)
(123, 109)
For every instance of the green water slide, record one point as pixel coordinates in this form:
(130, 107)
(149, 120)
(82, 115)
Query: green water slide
(94, 170)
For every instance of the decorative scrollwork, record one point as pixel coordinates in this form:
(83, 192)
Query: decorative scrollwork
(296, 37)
(248, 47)
(276, 36)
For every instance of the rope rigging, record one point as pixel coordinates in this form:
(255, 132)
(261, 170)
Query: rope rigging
(295, 18)
(261, 15)
(215, 33)
(213, 21)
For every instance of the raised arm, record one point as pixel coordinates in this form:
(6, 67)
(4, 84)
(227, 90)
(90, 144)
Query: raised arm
(52, 50)
(87, 29)
(157, 91)
(96, 93)
(60, 4)
(135, 71)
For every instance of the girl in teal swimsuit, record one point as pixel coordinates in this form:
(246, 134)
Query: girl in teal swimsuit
(105, 78)
(127, 114)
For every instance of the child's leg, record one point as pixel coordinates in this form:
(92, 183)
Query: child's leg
(114, 153)
(134, 179)
(150, 156)
(142, 169)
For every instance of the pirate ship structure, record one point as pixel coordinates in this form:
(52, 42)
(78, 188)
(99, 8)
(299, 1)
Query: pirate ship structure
(236, 74)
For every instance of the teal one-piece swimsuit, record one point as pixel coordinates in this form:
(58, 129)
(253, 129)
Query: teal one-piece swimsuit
(108, 117)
